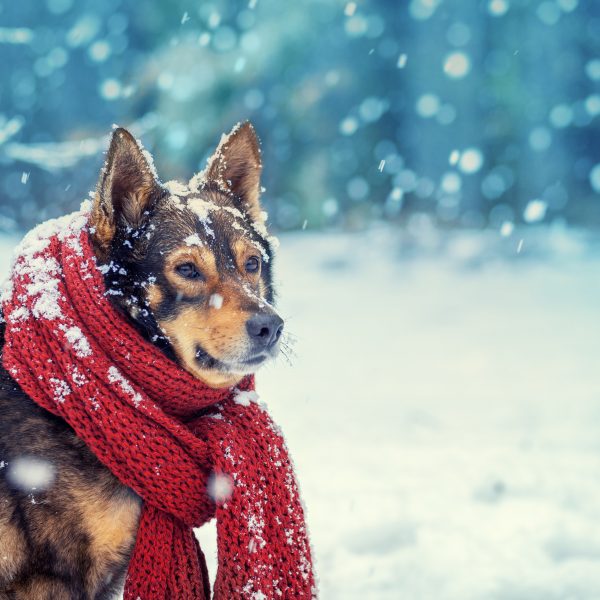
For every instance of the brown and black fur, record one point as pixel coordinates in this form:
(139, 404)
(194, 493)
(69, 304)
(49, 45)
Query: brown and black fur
(73, 540)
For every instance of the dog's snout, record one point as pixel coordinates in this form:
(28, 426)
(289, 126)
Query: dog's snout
(265, 330)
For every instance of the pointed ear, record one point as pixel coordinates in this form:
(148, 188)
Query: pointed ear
(237, 167)
(127, 184)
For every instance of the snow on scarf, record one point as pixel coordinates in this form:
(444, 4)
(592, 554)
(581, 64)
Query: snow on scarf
(78, 358)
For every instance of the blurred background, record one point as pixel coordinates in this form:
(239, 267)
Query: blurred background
(473, 114)
(433, 170)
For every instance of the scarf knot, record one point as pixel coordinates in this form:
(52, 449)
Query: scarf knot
(76, 356)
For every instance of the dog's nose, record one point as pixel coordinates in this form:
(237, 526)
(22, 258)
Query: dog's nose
(265, 330)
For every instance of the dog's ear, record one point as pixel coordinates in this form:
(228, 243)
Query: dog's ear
(236, 165)
(127, 185)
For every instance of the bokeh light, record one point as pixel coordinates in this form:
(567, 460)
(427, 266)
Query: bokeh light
(365, 110)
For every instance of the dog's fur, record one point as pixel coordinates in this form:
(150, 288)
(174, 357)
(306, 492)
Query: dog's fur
(73, 539)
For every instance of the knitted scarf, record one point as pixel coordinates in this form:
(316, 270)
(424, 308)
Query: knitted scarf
(74, 354)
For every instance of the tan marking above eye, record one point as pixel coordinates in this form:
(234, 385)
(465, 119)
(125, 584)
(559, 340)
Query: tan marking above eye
(243, 251)
(202, 258)
(154, 296)
(262, 288)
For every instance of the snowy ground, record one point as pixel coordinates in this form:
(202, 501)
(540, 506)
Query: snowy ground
(444, 417)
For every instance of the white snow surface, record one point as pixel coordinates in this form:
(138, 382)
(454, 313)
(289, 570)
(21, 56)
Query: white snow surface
(443, 414)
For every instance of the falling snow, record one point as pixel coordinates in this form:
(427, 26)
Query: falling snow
(535, 211)
(215, 301)
(79, 342)
(220, 487)
(28, 473)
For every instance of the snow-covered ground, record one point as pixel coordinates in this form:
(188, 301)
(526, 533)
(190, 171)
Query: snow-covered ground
(444, 416)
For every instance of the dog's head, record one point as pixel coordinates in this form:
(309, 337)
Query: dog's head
(191, 264)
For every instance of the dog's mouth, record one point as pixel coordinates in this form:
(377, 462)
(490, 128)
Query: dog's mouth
(245, 365)
(257, 360)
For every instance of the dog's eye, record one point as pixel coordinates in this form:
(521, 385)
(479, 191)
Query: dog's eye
(189, 271)
(252, 264)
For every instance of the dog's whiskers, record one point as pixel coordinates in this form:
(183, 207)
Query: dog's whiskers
(287, 359)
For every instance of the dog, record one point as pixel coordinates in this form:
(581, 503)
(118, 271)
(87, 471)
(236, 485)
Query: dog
(167, 263)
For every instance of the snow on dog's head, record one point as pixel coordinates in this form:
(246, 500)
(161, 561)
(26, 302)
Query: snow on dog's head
(191, 263)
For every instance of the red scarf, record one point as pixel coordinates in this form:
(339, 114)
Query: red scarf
(78, 358)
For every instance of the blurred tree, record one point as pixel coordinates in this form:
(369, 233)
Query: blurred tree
(468, 114)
